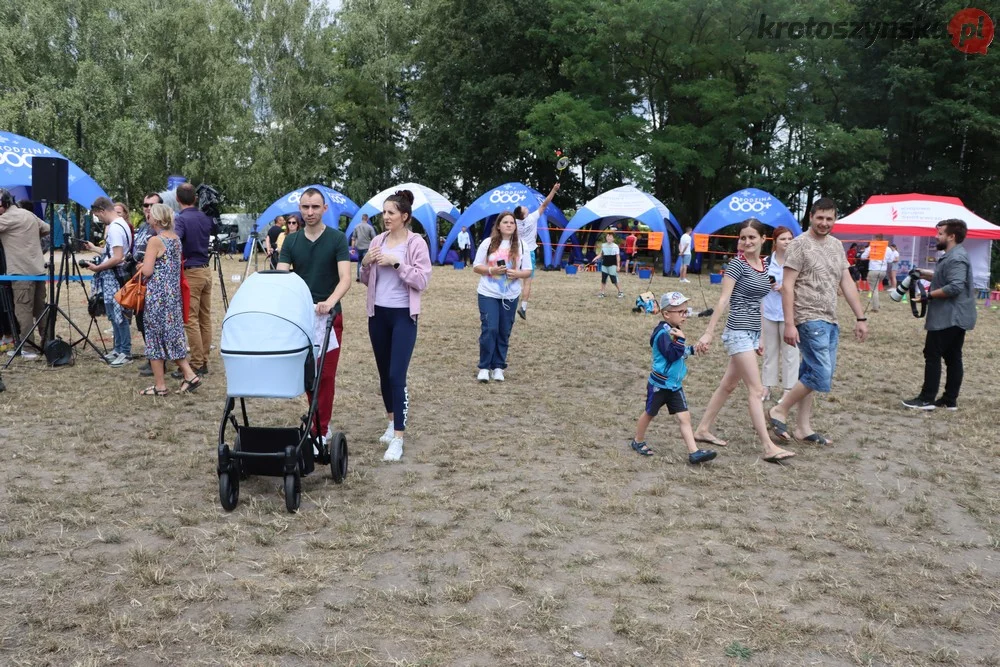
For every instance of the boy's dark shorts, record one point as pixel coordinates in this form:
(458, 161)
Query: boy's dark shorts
(656, 398)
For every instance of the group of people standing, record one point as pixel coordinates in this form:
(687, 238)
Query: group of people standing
(172, 253)
(784, 307)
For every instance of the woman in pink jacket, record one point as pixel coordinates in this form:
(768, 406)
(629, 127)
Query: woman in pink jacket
(396, 270)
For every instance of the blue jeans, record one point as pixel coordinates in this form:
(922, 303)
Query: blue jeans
(818, 341)
(393, 333)
(497, 319)
(361, 258)
(122, 337)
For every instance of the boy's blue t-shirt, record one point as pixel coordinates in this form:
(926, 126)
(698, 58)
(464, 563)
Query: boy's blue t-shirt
(669, 367)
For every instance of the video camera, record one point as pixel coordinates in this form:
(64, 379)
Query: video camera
(210, 202)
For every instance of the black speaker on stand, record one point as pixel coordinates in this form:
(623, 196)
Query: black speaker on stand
(50, 185)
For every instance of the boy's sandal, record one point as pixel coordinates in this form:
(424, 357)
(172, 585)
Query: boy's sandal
(641, 448)
(153, 391)
(189, 386)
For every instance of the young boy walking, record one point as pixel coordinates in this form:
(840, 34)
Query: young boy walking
(665, 379)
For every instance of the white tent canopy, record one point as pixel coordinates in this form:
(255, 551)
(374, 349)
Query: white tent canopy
(428, 206)
(910, 220)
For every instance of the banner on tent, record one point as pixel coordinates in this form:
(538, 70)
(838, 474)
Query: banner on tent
(701, 242)
(655, 240)
(877, 250)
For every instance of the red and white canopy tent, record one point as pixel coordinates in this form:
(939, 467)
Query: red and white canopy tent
(909, 221)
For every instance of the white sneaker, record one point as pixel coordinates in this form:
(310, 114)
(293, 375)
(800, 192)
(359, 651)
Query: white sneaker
(120, 361)
(389, 434)
(395, 450)
(110, 356)
(484, 375)
(685, 280)
(498, 375)
(30, 356)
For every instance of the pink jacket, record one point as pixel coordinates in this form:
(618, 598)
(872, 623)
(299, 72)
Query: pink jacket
(414, 270)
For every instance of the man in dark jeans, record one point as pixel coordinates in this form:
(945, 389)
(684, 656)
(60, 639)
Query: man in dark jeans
(951, 311)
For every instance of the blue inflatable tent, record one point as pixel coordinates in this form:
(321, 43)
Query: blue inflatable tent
(502, 198)
(339, 204)
(743, 204)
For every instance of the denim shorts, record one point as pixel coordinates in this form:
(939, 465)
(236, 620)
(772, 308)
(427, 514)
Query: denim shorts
(686, 259)
(818, 352)
(739, 340)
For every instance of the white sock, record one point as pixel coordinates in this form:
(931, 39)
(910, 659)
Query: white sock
(524, 305)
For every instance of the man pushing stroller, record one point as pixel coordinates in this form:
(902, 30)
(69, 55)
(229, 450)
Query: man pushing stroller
(311, 254)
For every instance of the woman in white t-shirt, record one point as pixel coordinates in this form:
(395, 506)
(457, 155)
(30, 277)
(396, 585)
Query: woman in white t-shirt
(773, 323)
(609, 256)
(503, 262)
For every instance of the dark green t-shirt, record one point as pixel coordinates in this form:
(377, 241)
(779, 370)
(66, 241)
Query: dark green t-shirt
(316, 261)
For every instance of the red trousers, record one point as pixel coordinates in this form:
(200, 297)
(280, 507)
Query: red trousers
(328, 380)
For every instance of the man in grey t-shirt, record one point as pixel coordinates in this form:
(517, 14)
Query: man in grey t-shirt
(951, 311)
(360, 240)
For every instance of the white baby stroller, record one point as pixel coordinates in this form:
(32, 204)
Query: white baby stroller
(269, 347)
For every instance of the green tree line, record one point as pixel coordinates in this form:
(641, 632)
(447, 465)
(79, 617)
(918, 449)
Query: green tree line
(688, 100)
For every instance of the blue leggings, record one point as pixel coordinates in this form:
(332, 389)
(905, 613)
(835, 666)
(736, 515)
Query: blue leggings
(393, 334)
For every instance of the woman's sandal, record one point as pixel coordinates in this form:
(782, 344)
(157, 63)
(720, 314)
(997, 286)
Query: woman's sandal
(189, 386)
(153, 391)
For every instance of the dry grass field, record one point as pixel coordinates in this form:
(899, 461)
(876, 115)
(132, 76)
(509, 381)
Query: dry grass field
(519, 529)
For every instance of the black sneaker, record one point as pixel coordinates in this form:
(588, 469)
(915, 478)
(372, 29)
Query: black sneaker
(202, 371)
(522, 313)
(919, 404)
(146, 370)
(178, 374)
(947, 405)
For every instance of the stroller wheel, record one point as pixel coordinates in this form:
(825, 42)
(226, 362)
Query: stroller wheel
(229, 491)
(338, 457)
(293, 493)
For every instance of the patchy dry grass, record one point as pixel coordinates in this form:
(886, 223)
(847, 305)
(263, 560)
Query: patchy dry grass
(520, 528)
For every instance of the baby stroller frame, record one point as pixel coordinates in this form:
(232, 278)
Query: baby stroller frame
(278, 452)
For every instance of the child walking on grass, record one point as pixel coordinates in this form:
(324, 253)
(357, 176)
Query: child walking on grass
(665, 379)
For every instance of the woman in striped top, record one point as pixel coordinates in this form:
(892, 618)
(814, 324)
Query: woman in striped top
(744, 286)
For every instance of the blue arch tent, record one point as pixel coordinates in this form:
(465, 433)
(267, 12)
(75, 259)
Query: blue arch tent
(339, 204)
(428, 205)
(743, 204)
(505, 198)
(16, 154)
(623, 203)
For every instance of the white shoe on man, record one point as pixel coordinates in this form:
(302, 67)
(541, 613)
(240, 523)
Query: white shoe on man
(395, 450)
(484, 375)
(121, 360)
(498, 375)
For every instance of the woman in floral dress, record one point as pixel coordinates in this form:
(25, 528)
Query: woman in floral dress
(164, 315)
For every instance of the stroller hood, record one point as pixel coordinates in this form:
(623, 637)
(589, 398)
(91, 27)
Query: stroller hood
(272, 313)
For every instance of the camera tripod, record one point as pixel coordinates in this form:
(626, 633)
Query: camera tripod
(47, 319)
(217, 267)
(253, 259)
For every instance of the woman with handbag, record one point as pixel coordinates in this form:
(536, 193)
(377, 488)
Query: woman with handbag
(164, 316)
